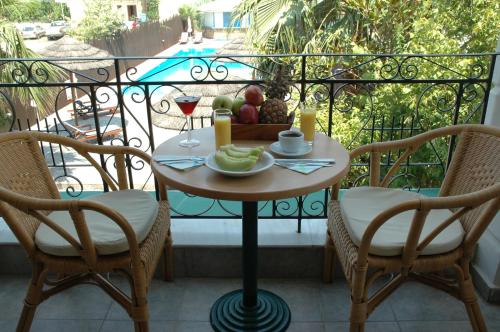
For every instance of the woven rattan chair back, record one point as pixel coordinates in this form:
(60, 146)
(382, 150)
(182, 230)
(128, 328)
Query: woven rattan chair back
(24, 171)
(475, 166)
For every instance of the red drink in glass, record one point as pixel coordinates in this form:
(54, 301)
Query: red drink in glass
(187, 103)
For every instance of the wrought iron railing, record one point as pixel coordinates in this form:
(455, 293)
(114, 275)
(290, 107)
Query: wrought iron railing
(359, 98)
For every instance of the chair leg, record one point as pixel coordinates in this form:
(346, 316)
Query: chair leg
(139, 310)
(469, 298)
(141, 327)
(32, 299)
(358, 316)
(359, 299)
(168, 263)
(329, 262)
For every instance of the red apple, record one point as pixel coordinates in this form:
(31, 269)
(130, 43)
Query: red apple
(249, 114)
(253, 95)
(234, 119)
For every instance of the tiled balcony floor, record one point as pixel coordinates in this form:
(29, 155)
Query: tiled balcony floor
(184, 305)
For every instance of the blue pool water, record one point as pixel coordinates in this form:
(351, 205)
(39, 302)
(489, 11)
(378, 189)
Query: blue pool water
(180, 69)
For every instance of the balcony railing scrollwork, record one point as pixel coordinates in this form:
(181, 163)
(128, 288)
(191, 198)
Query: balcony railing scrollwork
(359, 98)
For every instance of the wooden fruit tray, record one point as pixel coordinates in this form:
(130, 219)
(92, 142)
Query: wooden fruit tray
(265, 132)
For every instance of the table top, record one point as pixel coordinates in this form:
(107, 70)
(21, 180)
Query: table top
(275, 183)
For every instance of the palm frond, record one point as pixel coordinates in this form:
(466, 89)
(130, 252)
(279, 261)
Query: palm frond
(12, 47)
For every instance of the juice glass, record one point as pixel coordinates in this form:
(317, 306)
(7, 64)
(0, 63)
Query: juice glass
(222, 125)
(307, 123)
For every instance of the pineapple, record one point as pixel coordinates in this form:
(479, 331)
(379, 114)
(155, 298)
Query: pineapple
(274, 109)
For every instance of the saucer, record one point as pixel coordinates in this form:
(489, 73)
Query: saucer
(303, 150)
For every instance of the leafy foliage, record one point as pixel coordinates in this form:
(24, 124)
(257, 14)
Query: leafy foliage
(187, 11)
(33, 10)
(101, 21)
(12, 46)
(380, 27)
(152, 11)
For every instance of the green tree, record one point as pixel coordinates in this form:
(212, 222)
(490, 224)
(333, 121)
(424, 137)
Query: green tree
(187, 11)
(378, 26)
(11, 47)
(152, 10)
(34, 10)
(101, 20)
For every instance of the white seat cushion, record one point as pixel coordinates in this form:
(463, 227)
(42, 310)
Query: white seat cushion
(136, 206)
(360, 206)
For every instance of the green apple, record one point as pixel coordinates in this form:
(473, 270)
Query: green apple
(237, 103)
(222, 102)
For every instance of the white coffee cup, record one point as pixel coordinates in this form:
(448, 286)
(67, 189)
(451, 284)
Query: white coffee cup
(290, 140)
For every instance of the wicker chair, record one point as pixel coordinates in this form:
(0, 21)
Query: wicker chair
(60, 236)
(428, 237)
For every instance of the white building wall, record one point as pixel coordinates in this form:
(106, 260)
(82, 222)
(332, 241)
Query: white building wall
(76, 11)
(77, 8)
(170, 8)
(218, 20)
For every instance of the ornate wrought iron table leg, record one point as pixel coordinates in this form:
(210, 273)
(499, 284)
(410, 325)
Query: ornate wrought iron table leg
(250, 309)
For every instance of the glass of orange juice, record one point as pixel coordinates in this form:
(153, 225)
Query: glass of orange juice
(222, 125)
(307, 124)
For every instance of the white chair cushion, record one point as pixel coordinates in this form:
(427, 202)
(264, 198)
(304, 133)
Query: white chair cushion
(136, 206)
(361, 205)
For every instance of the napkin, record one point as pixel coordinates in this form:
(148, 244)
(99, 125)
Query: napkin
(305, 166)
(184, 165)
(304, 169)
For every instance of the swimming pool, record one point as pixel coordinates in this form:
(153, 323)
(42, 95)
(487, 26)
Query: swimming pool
(180, 69)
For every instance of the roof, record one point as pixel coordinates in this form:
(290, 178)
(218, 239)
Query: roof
(68, 48)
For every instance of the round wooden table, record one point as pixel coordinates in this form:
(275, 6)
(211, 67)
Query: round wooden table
(250, 308)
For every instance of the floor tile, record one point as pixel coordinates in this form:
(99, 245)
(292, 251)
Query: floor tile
(128, 326)
(435, 326)
(493, 325)
(306, 326)
(79, 302)
(62, 325)
(302, 296)
(12, 293)
(336, 304)
(417, 302)
(369, 327)
(164, 300)
(491, 311)
(201, 294)
(8, 325)
(184, 305)
(193, 327)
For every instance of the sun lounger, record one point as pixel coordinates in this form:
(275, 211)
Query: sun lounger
(85, 111)
(198, 37)
(184, 38)
(90, 134)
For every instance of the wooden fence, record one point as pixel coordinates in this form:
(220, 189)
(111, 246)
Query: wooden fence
(148, 39)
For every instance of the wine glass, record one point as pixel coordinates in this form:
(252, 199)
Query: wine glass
(187, 105)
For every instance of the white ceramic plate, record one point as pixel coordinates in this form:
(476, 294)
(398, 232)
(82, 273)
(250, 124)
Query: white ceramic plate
(304, 149)
(265, 162)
